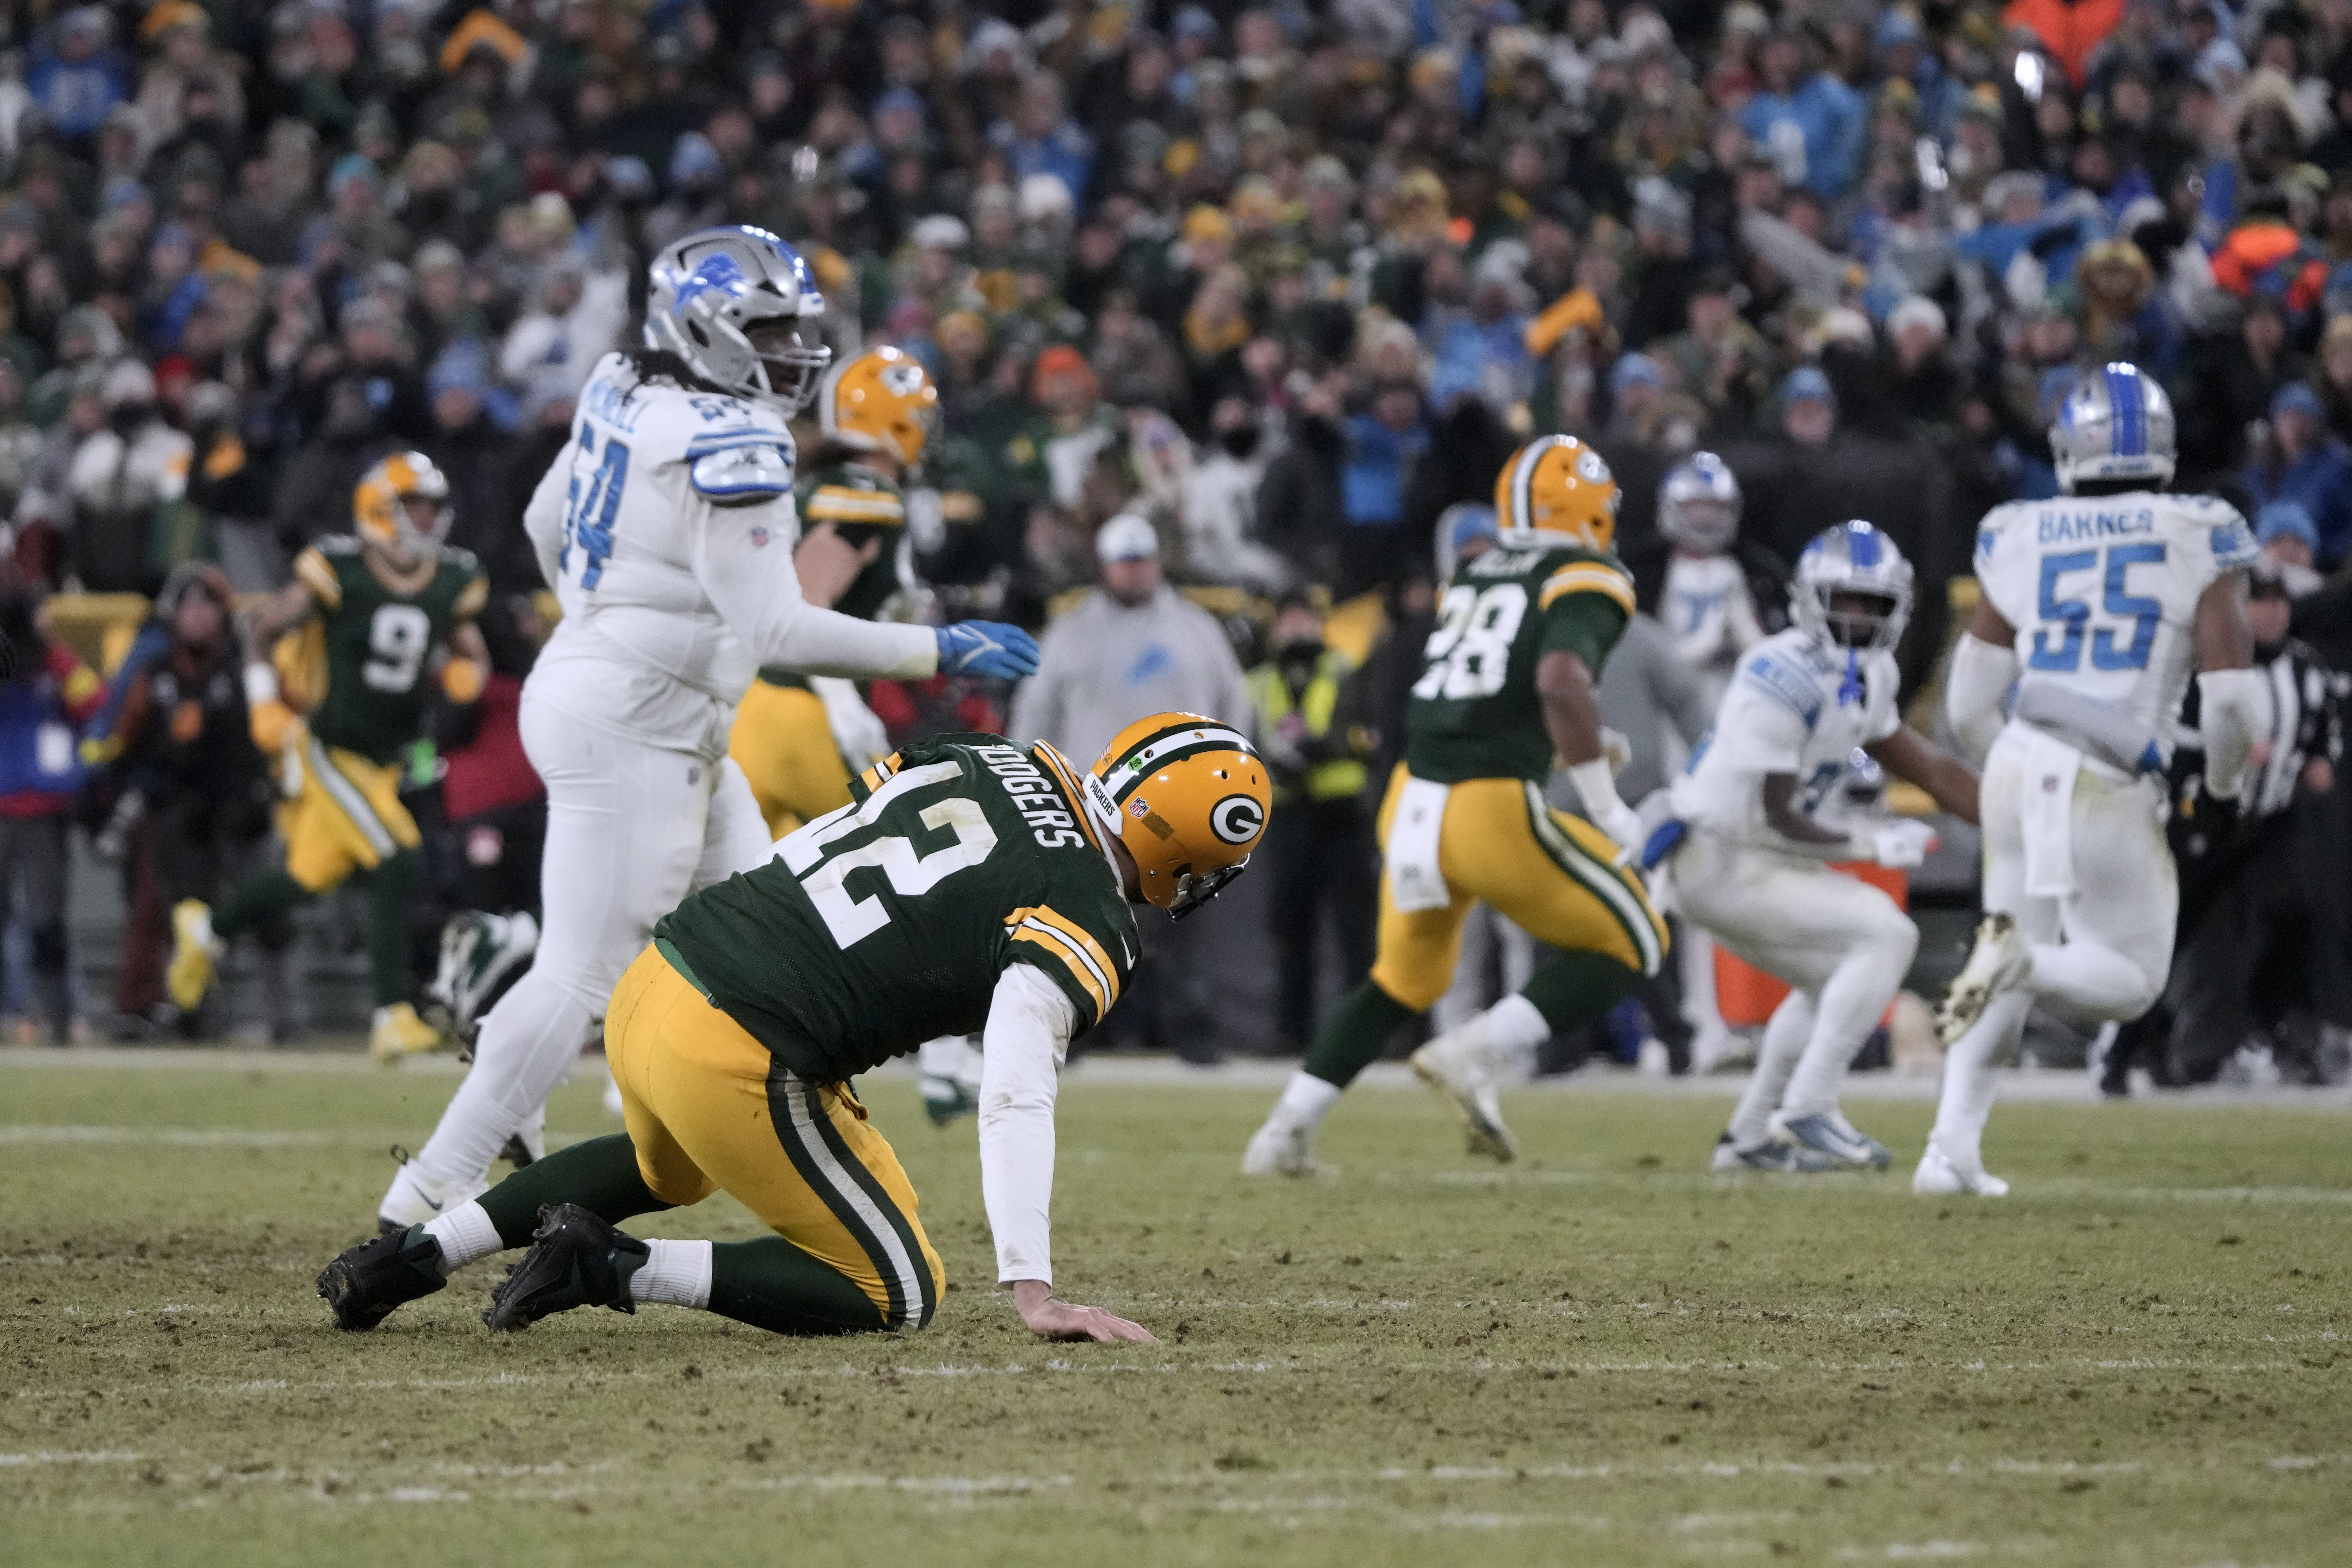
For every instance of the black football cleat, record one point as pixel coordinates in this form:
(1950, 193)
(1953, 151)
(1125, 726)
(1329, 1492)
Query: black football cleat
(366, 1283)
(576, 1260)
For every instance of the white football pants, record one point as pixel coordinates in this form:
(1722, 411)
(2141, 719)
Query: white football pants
(631, 829)
(2102, 951)
(1841, 945)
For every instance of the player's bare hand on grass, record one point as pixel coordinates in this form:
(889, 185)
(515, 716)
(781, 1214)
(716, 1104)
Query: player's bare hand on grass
(827, 563)
(1053, 1318)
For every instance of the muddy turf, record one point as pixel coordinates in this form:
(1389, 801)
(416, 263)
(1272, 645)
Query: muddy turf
(1602, 1355)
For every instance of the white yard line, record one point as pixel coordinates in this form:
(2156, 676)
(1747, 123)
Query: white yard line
(200, 1137)
(1254, 1073)
(216, 1388)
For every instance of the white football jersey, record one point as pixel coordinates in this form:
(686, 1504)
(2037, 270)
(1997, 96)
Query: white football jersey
(666, 530)
(2102, 590)
(1796, 706)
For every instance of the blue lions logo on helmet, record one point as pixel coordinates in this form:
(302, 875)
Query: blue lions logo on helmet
(719, 273)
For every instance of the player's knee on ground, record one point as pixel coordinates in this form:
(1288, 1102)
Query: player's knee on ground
(771, 1284)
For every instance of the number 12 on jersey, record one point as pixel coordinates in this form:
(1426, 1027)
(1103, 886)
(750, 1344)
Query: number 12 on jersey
(2058, 644)
(595, 500)
(825, 871)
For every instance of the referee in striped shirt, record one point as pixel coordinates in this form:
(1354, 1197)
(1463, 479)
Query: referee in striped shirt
(2261, 942)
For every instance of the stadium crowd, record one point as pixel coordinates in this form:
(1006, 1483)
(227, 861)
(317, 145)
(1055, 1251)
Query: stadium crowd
(1285, 282)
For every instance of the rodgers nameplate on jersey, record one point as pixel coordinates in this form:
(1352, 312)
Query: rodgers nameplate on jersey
(1032, 884)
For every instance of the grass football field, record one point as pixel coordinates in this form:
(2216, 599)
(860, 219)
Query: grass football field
(1603, 1354)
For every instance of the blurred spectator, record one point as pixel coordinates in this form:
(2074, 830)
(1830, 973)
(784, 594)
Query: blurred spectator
(46, 696)
(1220, 503)
(2301, 460)
(2228, 386)
(122, 475)
(1134, 647)
(1384, 442)
(1812, 123)
(1312, 729)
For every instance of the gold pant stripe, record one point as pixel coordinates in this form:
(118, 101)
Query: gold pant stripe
(1604, 879)
(348, 793)
(708, 1109)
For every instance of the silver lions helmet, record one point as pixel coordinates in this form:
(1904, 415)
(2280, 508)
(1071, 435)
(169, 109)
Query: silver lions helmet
(739, 306)
(1853, 588)
(1699, 503)
(2115, 425)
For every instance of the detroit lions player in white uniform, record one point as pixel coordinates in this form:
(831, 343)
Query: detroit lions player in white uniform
(1759, 809)
(2096, 605)
(668, 530)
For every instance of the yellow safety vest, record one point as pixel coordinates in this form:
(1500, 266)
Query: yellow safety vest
(1339, 777)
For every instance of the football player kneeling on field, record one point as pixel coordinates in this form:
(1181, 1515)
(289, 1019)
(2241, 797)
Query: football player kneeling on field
(971, 884)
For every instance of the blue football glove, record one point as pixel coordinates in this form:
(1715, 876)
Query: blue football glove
(988, 648)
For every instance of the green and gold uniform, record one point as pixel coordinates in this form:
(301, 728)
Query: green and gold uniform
(1475, 727)
(359, 671)
(380, 642)
(783, 738)
(375, 644)
(1020, 877)
(1475, 713)
(1476, 724)
(874, 928)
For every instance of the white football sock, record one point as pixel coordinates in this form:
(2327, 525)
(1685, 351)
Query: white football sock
(1307, 1100)
(1969, 1083)
(1785, 1034)
(1851, 1005)
(1511, 1030)
(678, 1273)
(527, 1046)
(466, 1235)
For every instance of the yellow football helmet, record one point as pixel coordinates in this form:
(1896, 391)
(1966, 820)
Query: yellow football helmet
(380, 505)
(1188, 797)
(1557, 484)
(879, 401)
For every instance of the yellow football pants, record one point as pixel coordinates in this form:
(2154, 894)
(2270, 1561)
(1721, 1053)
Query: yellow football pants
(348, 818)
(709, 1109)
(783, 742)
(1553, 875)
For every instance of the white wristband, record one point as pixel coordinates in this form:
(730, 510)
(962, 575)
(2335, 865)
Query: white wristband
(1596, 786)
(260, 684)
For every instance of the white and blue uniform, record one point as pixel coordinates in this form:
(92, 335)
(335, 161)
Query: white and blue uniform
(1802, 706)
(666, 530)
(2103, 594)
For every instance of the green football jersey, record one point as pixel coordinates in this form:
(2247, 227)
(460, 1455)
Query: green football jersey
(1475, 713)
(379, 642)
(887, 922)
(851, 497)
